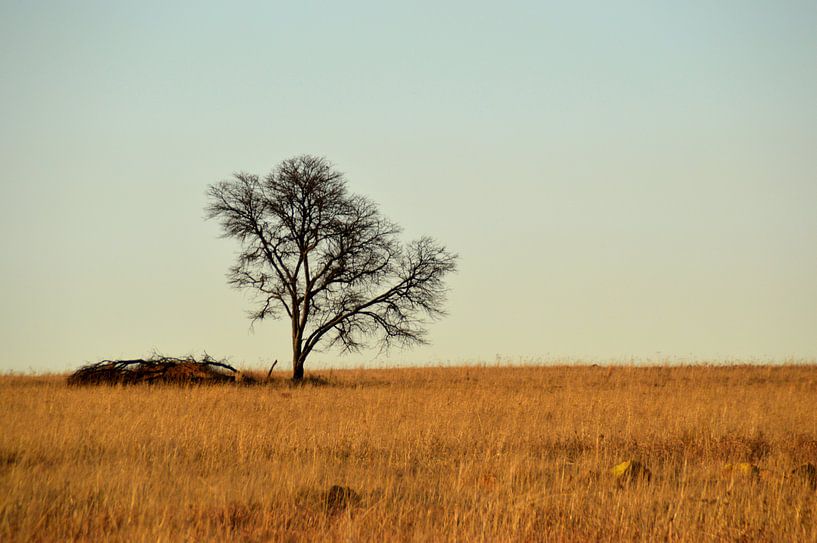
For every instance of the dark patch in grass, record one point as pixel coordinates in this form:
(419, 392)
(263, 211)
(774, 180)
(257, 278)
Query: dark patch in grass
(338, 498)
(8, 459)
(807, 473)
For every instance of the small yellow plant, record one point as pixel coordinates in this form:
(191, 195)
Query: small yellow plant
(631, 471)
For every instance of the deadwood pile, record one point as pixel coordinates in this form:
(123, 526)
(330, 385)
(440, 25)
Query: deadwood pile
(159, 369)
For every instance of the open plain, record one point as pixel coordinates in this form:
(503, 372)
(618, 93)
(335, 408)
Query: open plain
(420, 454)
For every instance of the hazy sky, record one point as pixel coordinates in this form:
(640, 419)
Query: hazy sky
(620, 179)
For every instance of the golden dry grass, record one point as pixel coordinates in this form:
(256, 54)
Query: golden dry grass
(476, 454)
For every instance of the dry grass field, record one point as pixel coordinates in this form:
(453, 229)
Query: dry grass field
(456, 454)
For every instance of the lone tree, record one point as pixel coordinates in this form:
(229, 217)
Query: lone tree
(328, 260)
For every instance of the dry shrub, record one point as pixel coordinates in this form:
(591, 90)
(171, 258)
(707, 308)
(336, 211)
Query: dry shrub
(159, 369)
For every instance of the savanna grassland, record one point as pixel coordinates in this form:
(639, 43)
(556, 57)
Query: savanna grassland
(456, 454)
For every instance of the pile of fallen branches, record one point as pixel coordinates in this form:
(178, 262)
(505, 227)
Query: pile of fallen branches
(157, 369)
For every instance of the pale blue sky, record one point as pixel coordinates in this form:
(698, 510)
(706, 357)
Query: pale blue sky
(628, 179)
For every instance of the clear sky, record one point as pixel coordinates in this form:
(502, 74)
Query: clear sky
(621, 179)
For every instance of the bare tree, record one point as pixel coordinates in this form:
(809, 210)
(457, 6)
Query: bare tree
(328, 260)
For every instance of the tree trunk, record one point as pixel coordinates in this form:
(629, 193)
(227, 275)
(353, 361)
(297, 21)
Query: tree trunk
(297, 370)
(297, 352)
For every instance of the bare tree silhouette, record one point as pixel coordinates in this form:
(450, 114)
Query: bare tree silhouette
(328, 260)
